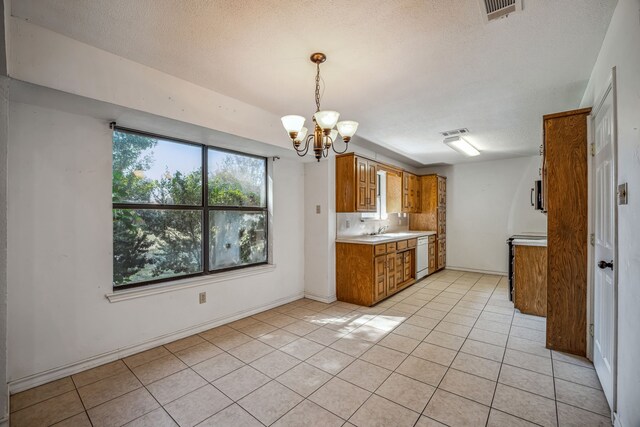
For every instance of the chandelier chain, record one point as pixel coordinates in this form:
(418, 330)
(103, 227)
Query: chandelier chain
(317, 87)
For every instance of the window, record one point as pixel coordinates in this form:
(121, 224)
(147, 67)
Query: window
(169, 222)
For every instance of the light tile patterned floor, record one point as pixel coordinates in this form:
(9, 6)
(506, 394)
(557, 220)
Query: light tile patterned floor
(449, 350)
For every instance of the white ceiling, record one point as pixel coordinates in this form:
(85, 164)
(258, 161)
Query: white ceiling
(405, 69)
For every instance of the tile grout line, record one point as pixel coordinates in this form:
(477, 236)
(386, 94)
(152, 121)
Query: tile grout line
(500, 370)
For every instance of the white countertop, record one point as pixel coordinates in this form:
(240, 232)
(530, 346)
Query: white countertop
(383, 238)
(529, 242)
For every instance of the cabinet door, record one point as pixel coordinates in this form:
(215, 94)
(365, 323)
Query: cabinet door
(442, 221)
(391, 273)
(442, 191)
(407, 261)
(399, 268)
(380, 277)
(442, 259)
(406, 203)
(432, 256)
(372, 186)
(362, 180)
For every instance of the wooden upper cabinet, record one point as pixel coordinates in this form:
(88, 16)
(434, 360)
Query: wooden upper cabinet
(356, 184)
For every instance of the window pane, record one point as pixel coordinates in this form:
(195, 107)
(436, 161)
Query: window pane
(236, 180)
(152, 244)
(151, 170)
(236, 238)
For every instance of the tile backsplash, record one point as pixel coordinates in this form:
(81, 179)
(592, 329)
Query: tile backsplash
(352, 224)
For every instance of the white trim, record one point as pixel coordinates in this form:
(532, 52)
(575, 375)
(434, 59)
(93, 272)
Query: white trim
(40, 378)
(617, 421)
(476, 270)
(326, 300)
(161, 288)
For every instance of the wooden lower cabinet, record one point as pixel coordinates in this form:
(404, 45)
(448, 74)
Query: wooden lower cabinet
(530, 280)
(366, 274)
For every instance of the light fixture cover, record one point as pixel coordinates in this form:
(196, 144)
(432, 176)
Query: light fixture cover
(347, 128)
(461, 145)
(333, 135)
(302, 134)
(326, 119)
(292, 123)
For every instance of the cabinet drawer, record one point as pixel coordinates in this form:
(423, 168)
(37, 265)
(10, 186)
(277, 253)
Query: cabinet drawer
(402, 245)
(391, 247)
(412, 243)
(380, 249)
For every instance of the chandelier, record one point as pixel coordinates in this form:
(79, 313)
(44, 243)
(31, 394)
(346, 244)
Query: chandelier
(324, 135)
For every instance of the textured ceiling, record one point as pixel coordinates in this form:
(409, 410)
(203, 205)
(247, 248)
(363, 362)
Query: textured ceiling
(405, 69)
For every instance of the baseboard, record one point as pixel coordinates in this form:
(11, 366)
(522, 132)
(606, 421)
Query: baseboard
(476, 270)
(76, 367)
(326, 300)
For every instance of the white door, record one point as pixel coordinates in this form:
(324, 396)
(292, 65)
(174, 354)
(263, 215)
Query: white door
(605, 293)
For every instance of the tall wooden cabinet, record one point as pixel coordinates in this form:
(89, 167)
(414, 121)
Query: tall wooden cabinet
(566, 202)
(356, 184)
(433, 214)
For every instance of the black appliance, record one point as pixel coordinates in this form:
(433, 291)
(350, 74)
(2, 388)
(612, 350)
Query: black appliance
(536, 195)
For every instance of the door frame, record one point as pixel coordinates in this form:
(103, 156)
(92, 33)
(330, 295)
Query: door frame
(610, 87)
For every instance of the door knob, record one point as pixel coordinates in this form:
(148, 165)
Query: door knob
(603, 264)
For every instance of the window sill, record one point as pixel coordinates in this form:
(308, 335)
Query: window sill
(161, 288)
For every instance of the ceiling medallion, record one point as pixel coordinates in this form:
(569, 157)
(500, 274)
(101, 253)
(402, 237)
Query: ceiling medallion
(324, 135)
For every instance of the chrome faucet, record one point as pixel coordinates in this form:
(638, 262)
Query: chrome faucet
(382, 229)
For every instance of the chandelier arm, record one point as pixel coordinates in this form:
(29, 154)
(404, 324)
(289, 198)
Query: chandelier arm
(303, 152)
(346, 147)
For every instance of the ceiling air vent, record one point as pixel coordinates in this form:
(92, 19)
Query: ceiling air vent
(495, 9)
(455, 132)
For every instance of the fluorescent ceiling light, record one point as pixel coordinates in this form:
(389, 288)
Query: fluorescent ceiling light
(461, 145)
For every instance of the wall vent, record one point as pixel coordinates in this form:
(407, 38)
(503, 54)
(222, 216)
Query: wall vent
(455, 132)
(496, 9)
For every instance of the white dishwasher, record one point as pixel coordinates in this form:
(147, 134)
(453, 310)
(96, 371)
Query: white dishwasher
(422, 257)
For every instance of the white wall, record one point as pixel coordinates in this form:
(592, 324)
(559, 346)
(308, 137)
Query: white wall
(486, 203)
(60, 250)
(4, 111)
(319, 267)
(621, 48)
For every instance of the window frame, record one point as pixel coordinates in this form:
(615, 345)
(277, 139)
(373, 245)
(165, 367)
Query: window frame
(204, 208)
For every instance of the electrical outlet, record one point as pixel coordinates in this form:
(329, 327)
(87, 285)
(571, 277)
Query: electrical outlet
(317, 209)
(348, 224)
(202, 297)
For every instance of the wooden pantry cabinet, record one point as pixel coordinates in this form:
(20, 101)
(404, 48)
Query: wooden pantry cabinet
(356, 184)
(565, 192)
(433, 215)
(367, 274)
